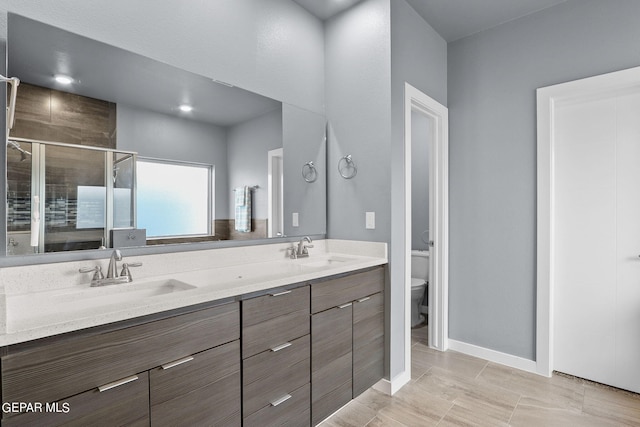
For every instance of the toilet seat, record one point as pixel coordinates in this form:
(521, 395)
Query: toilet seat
(416, 283)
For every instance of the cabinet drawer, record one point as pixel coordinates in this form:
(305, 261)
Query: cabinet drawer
(335, 292)
(201, 391)
(286, 318)
(293, 412)
(127, 404)
(368, 342)
(272, 374)
(260, 309)
(187, 375)
(70, 366)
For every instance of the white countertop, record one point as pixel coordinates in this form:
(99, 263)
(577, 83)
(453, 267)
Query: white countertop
(49, 305)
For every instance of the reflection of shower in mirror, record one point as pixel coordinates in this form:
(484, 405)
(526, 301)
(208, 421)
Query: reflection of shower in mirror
(16, 146)
(11, 108)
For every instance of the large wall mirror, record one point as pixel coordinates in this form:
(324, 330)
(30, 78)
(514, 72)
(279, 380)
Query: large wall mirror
(113, 149)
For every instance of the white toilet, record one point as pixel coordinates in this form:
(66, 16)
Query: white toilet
(419, 281)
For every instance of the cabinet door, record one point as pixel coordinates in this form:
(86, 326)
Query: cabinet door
(368, 342)
(116, 405)
(202, 389)
(331, 361)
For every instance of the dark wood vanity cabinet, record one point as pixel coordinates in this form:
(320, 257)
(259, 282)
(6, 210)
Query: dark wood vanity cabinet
(109, 374)
(347, 339)
(285, 357)
(276, 359)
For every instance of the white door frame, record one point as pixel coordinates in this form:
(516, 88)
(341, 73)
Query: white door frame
(547, 98)
(415, 100)
(273, 191)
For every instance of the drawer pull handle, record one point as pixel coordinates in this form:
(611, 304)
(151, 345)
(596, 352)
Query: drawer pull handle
(281, 347)
(117, 383)
(280, 293)
(280, 400)
(177, 362)
(364, 299)
(345, 305)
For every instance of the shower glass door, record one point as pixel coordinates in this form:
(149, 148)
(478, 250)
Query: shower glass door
(63, 197)
(19, 172)
(124, 178)
(75, 197)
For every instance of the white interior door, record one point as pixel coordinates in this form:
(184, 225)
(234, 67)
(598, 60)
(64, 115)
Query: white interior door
(275, 190)
(596, 244)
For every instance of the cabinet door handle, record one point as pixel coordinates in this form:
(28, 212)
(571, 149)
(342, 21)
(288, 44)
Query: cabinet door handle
(280, 293)
(345, 305)
(177, 362)
(117, 383)
(280, 400)
(281, 347)
(364, 299)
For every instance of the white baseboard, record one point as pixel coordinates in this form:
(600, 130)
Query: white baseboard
(494, 356)
(391, 387)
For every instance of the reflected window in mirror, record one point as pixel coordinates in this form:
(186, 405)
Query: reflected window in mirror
(174, 198)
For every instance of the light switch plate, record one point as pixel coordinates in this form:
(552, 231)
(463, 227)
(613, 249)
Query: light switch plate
(370, 220)
(294, 220)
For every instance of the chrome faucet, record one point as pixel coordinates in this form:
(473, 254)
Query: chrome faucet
(112, 271)
(302, 251)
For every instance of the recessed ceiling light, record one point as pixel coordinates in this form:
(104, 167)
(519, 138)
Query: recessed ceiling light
(186, 108)
(62, 79)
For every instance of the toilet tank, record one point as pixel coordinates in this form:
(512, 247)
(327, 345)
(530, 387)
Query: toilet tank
(420, 264)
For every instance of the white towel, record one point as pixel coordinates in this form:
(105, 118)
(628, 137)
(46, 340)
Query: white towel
(243, 210)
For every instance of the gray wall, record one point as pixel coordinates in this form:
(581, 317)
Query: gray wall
(420, 148)
(370, 51)
(163, 136)
(247, 147)
(492, 81)
(271, 47)
(303, 140)
(419, 57)
(357, 79)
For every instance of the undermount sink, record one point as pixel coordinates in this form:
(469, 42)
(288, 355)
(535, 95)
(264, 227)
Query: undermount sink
(23, 309)
(332, 261)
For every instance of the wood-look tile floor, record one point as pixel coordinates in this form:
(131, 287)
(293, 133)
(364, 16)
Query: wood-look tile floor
(453, 389)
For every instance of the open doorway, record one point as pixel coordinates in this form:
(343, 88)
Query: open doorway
(426, 130)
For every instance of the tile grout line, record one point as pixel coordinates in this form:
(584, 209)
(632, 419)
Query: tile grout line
(481, 370)
(446, 413)
(514, 410)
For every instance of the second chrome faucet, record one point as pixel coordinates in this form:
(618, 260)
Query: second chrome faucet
(302, 249)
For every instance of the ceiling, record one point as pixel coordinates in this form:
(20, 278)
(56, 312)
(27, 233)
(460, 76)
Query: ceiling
(37, 52)
(452, 19)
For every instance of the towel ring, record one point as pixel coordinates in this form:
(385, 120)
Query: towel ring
(350, 164)
(309, 172)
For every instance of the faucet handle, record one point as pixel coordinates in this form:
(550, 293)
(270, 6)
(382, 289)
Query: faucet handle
(294, 254)
(125, 269)
(97, 272)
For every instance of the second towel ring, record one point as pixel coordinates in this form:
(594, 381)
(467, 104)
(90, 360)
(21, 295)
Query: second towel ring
(350, 164)
(309, 172)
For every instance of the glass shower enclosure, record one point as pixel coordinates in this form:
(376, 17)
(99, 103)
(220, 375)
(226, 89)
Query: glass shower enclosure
(64, 197)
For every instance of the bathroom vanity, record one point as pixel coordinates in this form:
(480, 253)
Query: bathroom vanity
(254, 354)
